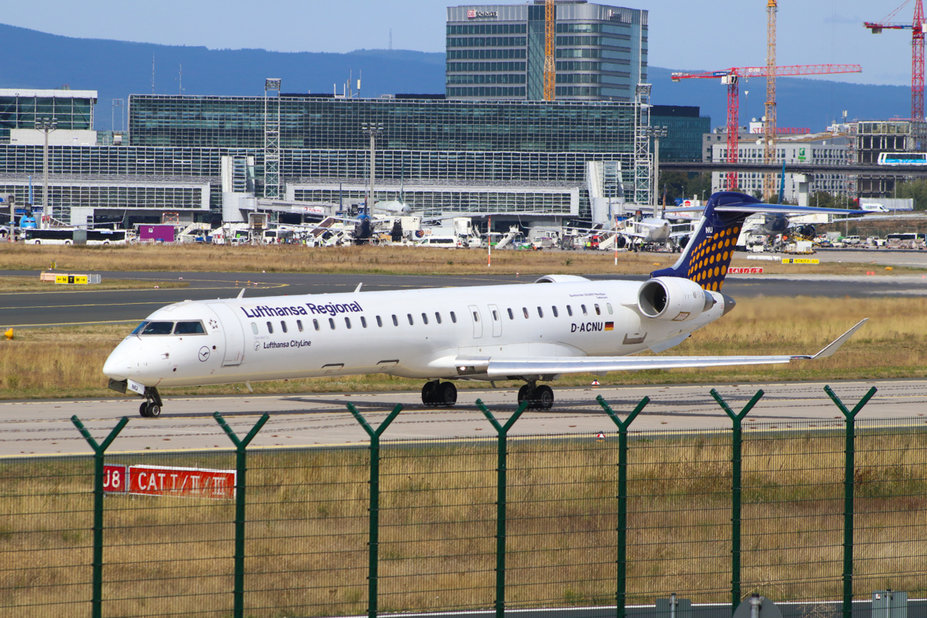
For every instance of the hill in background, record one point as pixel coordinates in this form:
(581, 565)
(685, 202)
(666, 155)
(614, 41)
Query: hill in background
(117, 69)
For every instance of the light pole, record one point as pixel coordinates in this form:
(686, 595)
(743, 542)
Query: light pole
(656, 132)
(46, 125)
(372, 129)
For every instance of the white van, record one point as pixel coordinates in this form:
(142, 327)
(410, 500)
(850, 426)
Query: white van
(873, 208)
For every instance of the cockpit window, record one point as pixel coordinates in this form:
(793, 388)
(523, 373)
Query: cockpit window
(154, 328)
(189, 328)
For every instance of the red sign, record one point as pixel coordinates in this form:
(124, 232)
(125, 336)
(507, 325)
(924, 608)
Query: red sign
(168, 481)
(114, 478)
(745, 270)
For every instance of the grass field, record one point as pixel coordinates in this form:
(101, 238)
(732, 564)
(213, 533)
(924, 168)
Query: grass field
(367, 259)
(308, 515)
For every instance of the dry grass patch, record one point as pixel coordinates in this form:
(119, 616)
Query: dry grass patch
(364, 259)
(308, 517)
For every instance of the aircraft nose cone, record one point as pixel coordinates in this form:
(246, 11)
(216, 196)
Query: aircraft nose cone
(728, 303)
(119, 364)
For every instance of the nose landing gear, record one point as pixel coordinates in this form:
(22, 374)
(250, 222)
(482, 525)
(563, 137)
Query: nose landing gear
(151, 407)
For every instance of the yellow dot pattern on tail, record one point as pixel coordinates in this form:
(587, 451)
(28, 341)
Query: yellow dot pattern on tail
(712, 256)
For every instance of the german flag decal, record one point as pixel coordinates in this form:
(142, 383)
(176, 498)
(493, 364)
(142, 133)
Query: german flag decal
(609, 326)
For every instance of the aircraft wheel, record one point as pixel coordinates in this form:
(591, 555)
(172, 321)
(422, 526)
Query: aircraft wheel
(430, 392)
(525, 393)
(143, 409)
(447, 393)
(154, 409)
(544, 397)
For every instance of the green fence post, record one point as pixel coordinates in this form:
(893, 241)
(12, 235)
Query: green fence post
(849, 468)
(374, 544)
(736, 488)
(621, 577)
(98, 451)
(240, 469)
(501, 480)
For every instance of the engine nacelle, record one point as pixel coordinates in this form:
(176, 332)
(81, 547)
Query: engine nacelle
(673, 298)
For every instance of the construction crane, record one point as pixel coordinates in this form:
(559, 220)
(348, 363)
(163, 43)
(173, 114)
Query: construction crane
(732, 77)
(769, 134)
(550, 60)
(917, 52)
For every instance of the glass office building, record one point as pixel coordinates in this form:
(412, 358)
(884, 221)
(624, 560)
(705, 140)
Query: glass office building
(21, 108)
(436, 155)
(497, 51)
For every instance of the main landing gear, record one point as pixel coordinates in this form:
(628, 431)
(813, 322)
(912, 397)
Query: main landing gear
(437, 393)
(151, 407)
(538, 397)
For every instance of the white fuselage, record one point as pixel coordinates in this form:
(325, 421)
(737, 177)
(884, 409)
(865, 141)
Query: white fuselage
(424, 333)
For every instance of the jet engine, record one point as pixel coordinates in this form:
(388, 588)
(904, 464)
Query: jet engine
(673, 298)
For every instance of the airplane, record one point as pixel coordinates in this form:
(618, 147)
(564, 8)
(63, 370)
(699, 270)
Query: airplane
(529, 332)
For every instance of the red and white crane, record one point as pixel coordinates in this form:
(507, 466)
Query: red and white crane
(917, 51)
(732, 77)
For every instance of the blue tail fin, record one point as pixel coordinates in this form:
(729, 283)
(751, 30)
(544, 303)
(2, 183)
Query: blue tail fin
(709, 252)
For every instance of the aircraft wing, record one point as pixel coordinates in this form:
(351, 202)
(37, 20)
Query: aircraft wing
(498, 368)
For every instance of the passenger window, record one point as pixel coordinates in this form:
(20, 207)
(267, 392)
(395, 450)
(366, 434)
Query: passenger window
(609, 307)
(331, 323)
(411, 322)
(453, 317)
(299, 325)
(511, 315)
(554, 309)
(254, 328)
(476, 316)
(495, 315)
(395, 320)
(525, 311)
(424, 318)
(540, 312)
(583, 307)
(315, 324)
(282, 325)
(379, 321)
(270, 328)
(570, 310)
(347, 321)
(363, 321)
(437, 317)
(598, 311)
(189, 328)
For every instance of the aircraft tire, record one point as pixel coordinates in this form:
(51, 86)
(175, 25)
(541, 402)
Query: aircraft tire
(543, 397)
(430, 392)
(525, 393)
(143, 409)
(447, 393)
(154, 410)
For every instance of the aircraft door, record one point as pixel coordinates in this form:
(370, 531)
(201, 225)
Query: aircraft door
(496, 319)
(231, 328)
(477, 321)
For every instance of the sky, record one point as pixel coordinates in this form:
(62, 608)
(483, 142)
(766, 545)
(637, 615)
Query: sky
(683, 34)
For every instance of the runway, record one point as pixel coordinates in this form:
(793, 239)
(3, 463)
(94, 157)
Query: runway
(29, 428)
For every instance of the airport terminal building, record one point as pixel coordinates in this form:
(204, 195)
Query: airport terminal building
(185, 154)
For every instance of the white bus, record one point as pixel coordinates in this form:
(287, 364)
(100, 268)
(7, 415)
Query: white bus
(70, 236)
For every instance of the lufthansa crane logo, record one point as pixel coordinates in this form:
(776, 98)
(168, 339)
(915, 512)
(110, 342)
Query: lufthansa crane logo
(204, 354)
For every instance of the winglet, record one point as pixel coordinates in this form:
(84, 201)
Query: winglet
(834, 345)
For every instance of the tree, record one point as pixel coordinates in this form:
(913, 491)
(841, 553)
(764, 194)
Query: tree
(916, 189)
